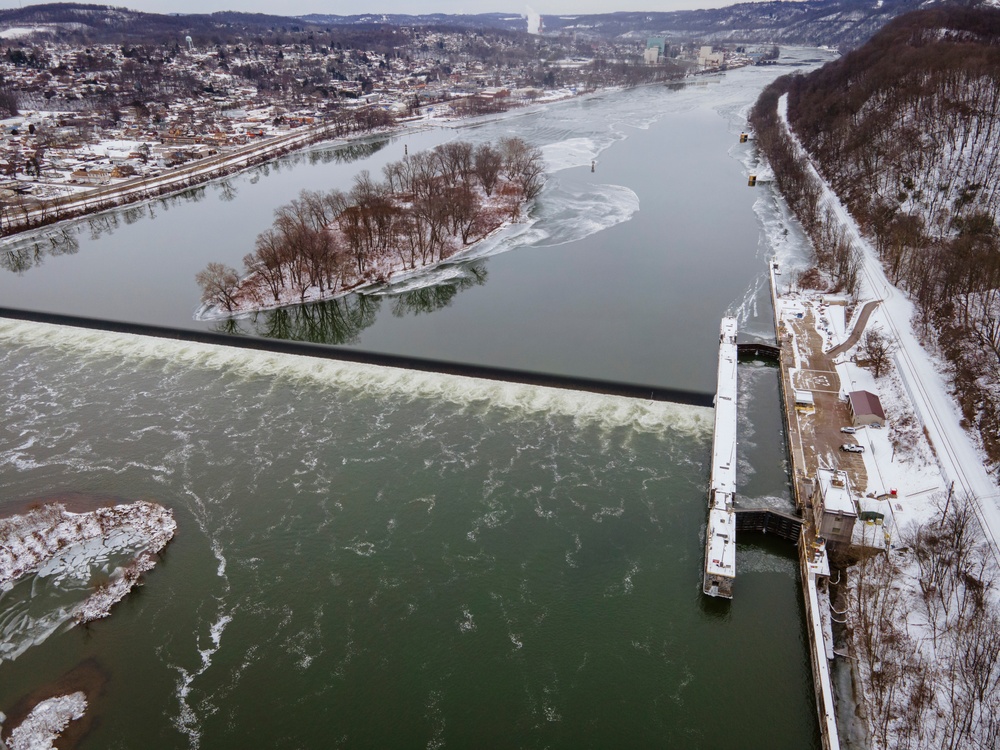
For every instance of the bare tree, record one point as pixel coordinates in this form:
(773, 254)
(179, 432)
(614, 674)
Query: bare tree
(877, 348)
(218, 284)
(487, 167)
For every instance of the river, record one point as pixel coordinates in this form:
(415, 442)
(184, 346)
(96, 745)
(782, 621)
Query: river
(370, 557)
(620, 274)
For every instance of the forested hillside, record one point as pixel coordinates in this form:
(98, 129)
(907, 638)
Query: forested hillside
(841, 23)
(907, 130)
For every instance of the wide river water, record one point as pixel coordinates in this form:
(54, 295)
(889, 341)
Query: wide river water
(621, 273)
(377, 558)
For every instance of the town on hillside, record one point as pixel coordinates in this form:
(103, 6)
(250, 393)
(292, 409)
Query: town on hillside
(81, 117)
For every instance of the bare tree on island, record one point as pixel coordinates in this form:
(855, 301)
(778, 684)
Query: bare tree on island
(488, 164)
(522, 165)
(218, 284)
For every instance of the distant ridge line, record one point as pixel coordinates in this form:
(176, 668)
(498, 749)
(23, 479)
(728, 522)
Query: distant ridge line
(397, 361)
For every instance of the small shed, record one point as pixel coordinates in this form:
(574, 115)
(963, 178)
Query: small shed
(804, 399)
(866, 408)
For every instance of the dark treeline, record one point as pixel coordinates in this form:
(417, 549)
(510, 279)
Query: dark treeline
(905, 129)
(836, 258)
(427, 207)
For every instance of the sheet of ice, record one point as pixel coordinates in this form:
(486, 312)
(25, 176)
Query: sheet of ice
(574, 152)
(573, 213)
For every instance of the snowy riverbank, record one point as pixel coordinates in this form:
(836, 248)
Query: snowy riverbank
(920, 619)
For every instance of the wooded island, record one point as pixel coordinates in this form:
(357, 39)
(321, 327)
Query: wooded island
(428, 207)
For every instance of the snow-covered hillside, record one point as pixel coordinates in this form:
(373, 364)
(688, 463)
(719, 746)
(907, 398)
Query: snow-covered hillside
(906, 131)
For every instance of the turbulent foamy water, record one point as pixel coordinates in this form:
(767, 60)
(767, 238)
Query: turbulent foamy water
(387, 558)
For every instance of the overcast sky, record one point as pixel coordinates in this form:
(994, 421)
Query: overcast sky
(352, 7)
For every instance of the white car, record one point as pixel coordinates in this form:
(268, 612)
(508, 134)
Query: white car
(852, 448)
(848, 430)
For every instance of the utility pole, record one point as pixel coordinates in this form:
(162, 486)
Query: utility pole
(951, 491)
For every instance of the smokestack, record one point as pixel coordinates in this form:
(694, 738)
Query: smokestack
(534, 20)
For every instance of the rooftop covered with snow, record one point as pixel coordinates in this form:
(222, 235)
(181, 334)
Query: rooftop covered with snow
(835, 489)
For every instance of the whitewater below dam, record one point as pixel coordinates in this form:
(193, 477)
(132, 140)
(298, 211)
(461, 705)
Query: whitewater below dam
(384, 558)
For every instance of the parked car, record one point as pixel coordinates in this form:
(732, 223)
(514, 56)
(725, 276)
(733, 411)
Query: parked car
(852, 448)
(848, 430)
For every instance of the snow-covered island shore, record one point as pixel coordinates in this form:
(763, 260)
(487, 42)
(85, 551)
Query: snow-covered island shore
(431, 207)
(51, 541)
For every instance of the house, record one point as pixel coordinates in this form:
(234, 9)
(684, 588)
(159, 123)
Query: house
(90, 176)
(123, 170)
(834, 509)
(866, 409)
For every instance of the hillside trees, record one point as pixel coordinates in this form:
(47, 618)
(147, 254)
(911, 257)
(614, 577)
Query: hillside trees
(931, 662)
(905, 129)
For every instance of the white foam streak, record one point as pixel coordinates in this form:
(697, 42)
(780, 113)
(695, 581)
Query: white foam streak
(187, 720)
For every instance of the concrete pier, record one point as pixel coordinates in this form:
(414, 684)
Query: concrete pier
(720, 537)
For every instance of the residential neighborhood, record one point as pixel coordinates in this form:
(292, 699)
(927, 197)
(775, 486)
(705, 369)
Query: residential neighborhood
(82, 117)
